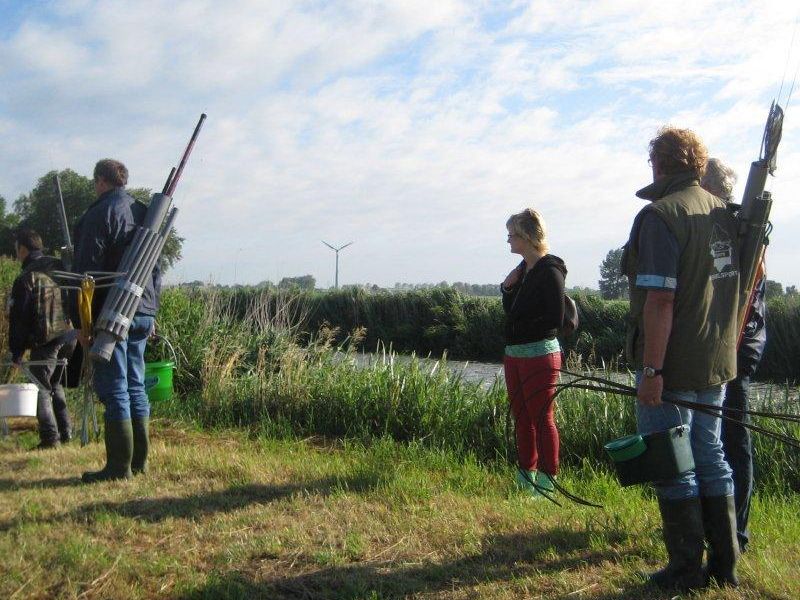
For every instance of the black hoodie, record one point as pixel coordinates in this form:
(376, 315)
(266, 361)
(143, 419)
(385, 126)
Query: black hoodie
(534, 307)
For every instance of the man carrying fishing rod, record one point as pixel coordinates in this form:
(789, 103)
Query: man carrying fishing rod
(681, 261)
(102, 235)
(121, 238)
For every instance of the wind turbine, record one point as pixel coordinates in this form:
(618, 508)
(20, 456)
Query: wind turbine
(336, 284)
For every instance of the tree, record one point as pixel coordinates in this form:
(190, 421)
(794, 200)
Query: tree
(791, 290)
(8, 223)
(613, 284)
(304, 282)
(774, 289)
(37, 210)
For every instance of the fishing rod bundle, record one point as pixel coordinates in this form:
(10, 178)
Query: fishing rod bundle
(753, 214)
(137, 263)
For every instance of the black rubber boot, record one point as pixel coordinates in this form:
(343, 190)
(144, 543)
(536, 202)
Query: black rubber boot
(719, 521)
(684, 538)
(141, 445)
(119, 450)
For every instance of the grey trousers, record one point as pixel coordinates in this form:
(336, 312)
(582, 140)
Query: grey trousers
(51, 408)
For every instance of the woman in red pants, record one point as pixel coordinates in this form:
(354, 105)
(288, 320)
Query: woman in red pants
(533, 300)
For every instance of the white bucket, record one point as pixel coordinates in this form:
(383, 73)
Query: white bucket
(18, 400)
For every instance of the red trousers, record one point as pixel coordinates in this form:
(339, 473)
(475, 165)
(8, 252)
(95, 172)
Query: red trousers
(529, 382)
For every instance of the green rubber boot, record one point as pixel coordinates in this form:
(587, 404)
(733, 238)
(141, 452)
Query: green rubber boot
(719, 523)
(141, 445)
(525, 480)
(545, 482)
(684, 538)
(119, 450)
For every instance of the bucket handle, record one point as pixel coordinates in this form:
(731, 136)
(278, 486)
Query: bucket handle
(161, 338)
(680, 417)
(26, 364)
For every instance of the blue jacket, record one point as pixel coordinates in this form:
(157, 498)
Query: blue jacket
(101, 236)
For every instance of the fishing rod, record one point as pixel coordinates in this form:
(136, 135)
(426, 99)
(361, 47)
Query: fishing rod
(715, 411)
(67, 249)
(544, 491)
(590, 382)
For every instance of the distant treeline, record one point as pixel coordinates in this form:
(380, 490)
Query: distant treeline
(441, 320)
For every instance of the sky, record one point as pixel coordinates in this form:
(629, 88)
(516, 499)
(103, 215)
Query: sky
(411, 128)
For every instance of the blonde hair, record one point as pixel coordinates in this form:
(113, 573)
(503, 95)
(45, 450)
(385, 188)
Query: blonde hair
(679, 150)
(530, 226)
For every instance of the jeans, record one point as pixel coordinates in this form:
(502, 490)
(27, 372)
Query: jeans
(739, 452)
(120, 382)
(530, 384)
(51, 407)
(711, 475)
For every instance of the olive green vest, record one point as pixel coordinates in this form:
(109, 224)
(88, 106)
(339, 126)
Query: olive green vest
(701, 351)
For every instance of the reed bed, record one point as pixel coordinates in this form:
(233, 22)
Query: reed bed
(263, 373)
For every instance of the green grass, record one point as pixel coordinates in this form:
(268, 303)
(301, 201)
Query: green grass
(253, 517)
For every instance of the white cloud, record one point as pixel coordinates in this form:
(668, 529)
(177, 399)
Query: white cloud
(413, 128)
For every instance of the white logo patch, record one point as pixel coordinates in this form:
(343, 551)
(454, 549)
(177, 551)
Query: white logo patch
(721, 248)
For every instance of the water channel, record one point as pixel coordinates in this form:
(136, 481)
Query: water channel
(487, 373)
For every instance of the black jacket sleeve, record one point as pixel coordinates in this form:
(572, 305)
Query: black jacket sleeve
(20, 317)
(754, 338)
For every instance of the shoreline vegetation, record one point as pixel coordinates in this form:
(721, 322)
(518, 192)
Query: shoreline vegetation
(442, 321)
(283, 469)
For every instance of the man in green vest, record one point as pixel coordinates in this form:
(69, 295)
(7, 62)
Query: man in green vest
(682, 267)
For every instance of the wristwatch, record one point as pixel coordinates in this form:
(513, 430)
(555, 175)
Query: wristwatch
(651, 372)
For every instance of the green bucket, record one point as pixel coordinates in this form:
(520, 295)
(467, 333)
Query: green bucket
(158, 380)
(158, 376)
(626, 448)
(652, 457)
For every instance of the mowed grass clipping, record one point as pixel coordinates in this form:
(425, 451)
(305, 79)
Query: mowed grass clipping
(223, 515)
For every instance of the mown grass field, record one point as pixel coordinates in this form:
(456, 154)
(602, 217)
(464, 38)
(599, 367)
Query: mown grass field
(282, 469)
(227, 515)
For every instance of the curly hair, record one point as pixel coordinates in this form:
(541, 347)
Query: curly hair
(529, 225)
(678, 150)
(719, 179)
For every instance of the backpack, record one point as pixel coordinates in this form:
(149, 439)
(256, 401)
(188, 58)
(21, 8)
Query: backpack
(571, 320)
(50, 317)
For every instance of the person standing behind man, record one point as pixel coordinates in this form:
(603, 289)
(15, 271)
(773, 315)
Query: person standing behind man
(102, 235)
(38, 322)
(719, 179)
(682, 269)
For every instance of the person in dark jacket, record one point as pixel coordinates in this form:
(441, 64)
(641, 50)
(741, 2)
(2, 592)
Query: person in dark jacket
(38, 322)
(533, 300)
(719, 179)
(101, 237)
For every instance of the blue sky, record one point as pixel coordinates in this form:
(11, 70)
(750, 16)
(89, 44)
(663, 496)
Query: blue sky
(411, 128)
